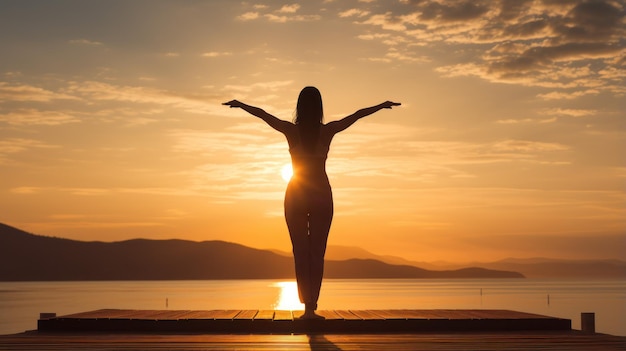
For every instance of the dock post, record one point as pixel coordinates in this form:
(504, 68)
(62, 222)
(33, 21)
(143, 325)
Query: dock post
(588, 322)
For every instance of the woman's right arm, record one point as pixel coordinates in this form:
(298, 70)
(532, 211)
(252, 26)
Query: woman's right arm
(272, 121)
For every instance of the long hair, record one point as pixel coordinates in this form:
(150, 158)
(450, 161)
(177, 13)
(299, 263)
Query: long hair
(309, 117)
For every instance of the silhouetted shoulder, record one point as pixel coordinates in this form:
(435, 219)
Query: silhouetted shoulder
(335, 127)
(290, 131)
(279, 124)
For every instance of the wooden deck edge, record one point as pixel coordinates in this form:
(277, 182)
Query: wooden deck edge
(238, 326)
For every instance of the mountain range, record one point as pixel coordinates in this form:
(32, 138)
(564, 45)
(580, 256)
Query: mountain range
(25, 256)
(30, 257)
(535, 267)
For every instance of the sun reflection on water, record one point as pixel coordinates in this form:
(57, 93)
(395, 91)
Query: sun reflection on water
(288, 296)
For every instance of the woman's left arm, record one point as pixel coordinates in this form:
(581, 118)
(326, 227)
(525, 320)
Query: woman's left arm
(272, 121)
(344, 123)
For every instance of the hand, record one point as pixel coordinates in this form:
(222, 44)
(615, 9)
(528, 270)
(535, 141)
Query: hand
(389, 104)
(234, 103)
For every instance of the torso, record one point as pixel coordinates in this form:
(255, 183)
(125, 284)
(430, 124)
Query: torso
(309, 166)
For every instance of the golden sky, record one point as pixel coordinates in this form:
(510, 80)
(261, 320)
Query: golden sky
(509, 142)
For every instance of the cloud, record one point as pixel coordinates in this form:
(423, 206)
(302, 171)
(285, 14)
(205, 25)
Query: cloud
(95, 90)
(563, 45)
(373, 36)
(354, 13)
(451, 11)
(25, 92)
(512, 9)
(105, 191)
(298, 18)
(289, 8)
(537, 57)
(237, 144)
(87, 191)
(568, 112)
(397, 56)
(13, 145)
(25, 190)
(16, 145)
(104, 224)
(287, 13)
(216, 54)
(526, 120)
(560, 95)
(248, 16)
(525, 146)
(272, 86)
(386, 21)
(394, 54)
(140, 121)
(591, 21)
(85, 42)
(36, 117)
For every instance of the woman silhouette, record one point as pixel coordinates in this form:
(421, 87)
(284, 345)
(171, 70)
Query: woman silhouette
(309, 198)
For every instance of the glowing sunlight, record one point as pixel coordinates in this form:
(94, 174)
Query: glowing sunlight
(286, 172)
(288, 297)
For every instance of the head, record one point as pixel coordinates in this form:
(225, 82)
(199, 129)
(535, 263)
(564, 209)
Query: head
(309, 110)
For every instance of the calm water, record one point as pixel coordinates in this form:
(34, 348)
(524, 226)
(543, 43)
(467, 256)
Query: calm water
(21, 302)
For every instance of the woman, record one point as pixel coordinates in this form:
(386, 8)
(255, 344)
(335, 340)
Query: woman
(309, 198)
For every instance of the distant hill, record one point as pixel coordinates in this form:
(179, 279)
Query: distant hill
(556, 268)
(341, 253)
(29, 257)
(338, 252)
(537, 267)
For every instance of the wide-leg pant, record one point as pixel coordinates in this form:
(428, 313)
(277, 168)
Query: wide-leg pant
(309, 213)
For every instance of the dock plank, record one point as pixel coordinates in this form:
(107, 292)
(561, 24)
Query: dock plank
(390, 314)
(347, 315)
(136, 314)
(103, 313)
(425, 314)
(264, 315)
(246, 314)
(283, 315)
(210, 314)
(225, 314)
(367, 315)
(161, 315)
(329, 315)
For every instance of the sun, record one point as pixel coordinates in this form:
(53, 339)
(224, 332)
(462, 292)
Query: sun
(286, 172)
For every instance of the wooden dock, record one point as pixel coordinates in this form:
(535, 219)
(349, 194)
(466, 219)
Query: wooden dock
(286, 322)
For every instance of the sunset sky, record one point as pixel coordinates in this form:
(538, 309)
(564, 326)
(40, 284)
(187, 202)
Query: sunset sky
(510, 140)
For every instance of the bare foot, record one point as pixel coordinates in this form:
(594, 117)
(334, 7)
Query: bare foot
(310, 314)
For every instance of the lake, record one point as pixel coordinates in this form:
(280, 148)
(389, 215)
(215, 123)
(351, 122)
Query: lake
(21, 302)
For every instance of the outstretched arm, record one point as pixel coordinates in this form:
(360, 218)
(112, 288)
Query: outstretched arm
(344, 123)
(272, 121)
